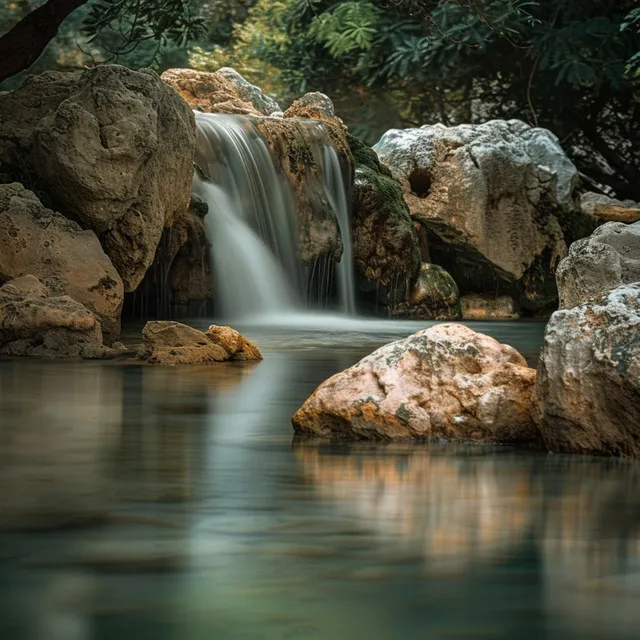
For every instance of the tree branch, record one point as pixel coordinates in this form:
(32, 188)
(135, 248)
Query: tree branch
(24, 43)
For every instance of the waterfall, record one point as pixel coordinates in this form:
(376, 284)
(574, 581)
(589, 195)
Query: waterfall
(251, 222)
(336, 192)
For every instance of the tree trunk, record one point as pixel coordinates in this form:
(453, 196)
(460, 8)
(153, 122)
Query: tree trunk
(23, 45)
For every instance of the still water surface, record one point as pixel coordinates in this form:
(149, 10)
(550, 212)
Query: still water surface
(199, 517)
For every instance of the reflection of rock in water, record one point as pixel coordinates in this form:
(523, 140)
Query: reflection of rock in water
(455, 508)
(164, 424)
(590, 542)
(58, 424)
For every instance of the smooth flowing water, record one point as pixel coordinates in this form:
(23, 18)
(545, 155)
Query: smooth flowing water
(208, 520)
(252, 223)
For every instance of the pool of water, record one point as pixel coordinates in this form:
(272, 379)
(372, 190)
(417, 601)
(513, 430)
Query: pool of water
(192, 513)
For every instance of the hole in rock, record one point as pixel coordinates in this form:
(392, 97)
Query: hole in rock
(420, 182)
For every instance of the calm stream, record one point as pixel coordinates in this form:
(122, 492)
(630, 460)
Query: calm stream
(201, 517)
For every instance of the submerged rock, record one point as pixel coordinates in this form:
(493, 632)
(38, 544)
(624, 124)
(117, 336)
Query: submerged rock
(434, 296)
(588, 387)
(443, 382)
(223, 91)
(497, 199)
(385, 243)
(35, 323)
(476, 306)
(35, 240)
(112, 147)
(607, 259)
(169, 342)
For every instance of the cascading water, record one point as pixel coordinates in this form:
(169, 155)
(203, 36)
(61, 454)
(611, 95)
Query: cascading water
(336, 192)
(252, 221)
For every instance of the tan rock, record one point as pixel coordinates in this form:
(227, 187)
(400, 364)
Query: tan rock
(224, 91)
(477, 306)
(588, 387)
(37, 241)
(233, 342)
(112, 147)
(443, 382)
(34, 323)
(169, 342)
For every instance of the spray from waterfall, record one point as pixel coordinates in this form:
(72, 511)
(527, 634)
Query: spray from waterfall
(251, 222)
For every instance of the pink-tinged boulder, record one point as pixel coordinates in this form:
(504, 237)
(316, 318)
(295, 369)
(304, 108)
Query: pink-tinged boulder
(446, 382)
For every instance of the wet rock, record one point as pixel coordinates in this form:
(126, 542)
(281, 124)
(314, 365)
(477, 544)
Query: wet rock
(497, 199)
(607, 259)
(434, 296)
(35, 240)
(224, 91)
(443, 382)
(234, 343)
(588, 387)
(168, 342)
(35, 323)
(607, 209)
(385, 244)
(476, 306)
(113, 148)
(296, 145)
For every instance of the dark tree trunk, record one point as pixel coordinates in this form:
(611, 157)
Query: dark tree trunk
(23, 45)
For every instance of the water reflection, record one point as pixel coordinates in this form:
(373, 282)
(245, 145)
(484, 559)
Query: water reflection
(450, 504)
(214, 524)
(57, 428)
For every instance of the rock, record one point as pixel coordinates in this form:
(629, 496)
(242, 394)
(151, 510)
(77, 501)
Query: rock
(434, 296)
(385, 244)
(443, 382)
(168, 342)
(476, 306)
(234, 343)
(294, 144)
(35, 323)
(588, 387)
(608, 209)
(113, 148)
(224, 91)
(35, 240)
(595, 265)
(314, 106)
(495, 198)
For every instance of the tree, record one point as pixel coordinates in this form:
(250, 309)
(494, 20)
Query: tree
(126, 23)
(567, 65)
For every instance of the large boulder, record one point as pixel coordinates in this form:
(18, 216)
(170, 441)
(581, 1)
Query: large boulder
(588, 387)
(385, 243)
(169, 342)
(443, 382)
(223, 91)
(495, 198)
(113, 148)
(35, 323)
(433, 296)
(607, 259)
(70, 261)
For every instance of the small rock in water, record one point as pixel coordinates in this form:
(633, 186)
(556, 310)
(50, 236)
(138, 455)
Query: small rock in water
(169, 342)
